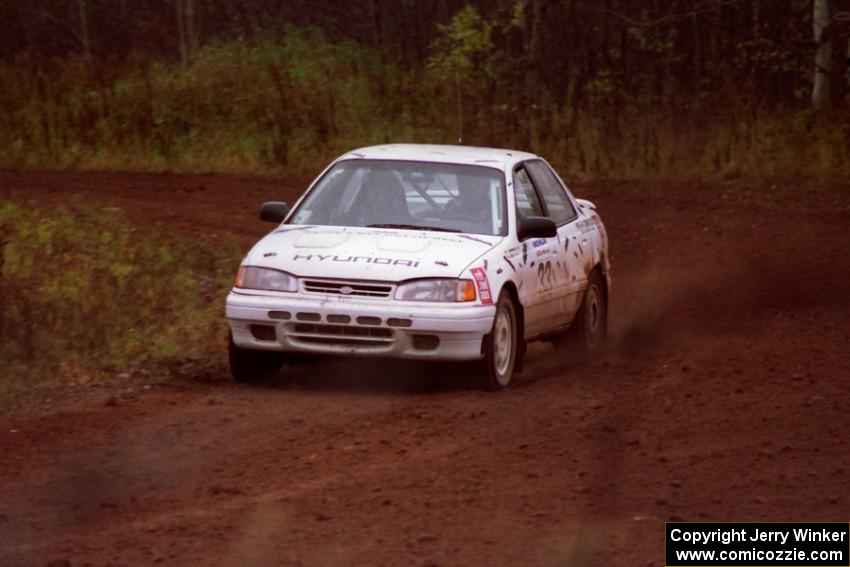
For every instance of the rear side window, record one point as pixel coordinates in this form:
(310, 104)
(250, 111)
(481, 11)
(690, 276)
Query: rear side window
(558, 205)
(527, 202)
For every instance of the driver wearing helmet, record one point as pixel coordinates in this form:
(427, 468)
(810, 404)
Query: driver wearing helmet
(473, 200)
(381, 200)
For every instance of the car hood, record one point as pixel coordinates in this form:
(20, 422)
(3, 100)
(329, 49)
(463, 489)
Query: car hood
(368, 253)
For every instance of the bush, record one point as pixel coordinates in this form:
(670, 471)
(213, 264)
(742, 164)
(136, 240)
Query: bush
(82, 292)
(291, 103)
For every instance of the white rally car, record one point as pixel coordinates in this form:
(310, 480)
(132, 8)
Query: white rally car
(423, 252)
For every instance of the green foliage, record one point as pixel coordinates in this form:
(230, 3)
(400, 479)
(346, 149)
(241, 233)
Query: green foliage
(83, 293)
(291, 103)
(278, 105)
(464, 48)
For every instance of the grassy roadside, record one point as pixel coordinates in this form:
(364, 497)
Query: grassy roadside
(290, 103)
(84, 294)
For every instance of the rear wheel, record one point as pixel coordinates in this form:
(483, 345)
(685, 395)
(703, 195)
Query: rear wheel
(590, 326)
(500, 347)
(252, 366)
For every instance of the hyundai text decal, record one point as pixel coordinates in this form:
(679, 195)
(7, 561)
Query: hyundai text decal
(363, 259)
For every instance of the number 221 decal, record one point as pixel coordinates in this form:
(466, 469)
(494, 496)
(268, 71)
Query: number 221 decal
(545, 275)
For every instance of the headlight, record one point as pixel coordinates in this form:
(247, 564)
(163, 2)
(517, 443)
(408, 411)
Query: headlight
(252, 277)
(436, 290)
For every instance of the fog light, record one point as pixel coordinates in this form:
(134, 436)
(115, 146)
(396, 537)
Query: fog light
(425, 342)
(263, 332)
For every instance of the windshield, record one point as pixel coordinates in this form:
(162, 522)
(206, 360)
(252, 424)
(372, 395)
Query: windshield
(407, 195)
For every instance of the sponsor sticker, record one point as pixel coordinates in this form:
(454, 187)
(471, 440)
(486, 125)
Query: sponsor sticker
(598, 222)
(483, 285)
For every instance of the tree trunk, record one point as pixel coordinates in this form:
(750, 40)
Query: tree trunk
(181, 31)
(532, 77)
(375, 24)
(84, 29)
(192, 35)
(821, 95)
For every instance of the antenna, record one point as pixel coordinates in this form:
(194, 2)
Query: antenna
(459, 111)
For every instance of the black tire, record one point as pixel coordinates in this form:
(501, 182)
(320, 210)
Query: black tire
(252, 366)
(501, 346)
(590, 326)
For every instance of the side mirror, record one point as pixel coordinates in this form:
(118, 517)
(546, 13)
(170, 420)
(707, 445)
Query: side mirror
(536, 227)
(274, 211)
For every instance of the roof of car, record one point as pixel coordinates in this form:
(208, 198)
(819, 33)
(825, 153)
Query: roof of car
(469, 155)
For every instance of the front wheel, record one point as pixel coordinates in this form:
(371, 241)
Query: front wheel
(500, 346)
(252, 366)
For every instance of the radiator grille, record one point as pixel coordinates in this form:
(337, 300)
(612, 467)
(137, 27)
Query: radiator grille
(347, 288)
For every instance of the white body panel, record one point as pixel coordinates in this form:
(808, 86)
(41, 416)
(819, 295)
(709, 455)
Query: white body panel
(368, 253)
(548, 275)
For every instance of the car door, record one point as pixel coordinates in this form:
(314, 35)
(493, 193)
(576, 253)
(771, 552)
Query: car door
(572, 249)
(536, 261)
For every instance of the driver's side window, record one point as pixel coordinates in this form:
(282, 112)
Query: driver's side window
(527, 201)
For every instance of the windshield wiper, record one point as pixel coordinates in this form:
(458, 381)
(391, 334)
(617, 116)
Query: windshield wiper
(413, 227)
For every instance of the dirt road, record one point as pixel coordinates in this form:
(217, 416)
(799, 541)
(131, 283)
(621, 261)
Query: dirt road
(725, 396)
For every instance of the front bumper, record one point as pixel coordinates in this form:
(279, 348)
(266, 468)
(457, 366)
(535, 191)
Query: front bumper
(351, 326)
